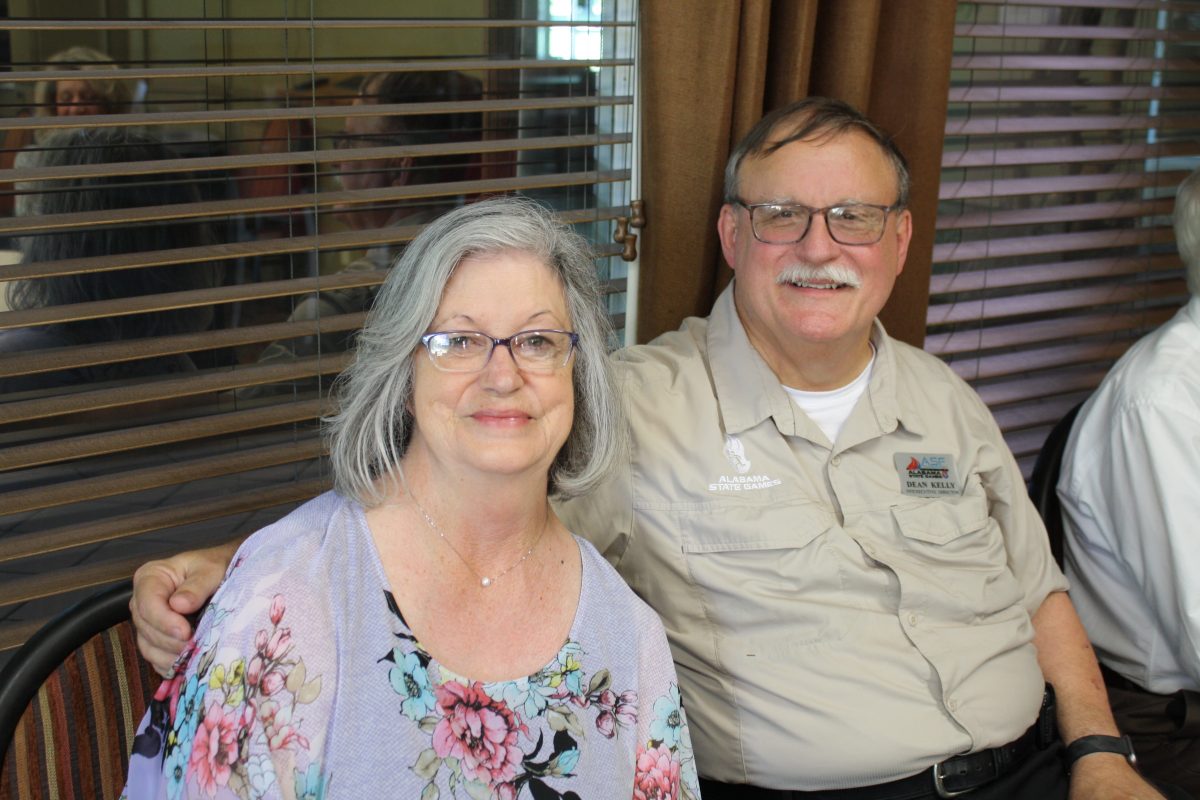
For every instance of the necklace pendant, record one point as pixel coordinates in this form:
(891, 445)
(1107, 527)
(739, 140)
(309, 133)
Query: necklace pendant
(485, 581)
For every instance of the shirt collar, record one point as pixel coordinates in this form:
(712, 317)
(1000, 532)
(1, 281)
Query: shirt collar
(1192, 310)
(883, 392)
(749, 392)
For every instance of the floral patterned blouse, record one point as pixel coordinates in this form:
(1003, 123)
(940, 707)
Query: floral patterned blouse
(303, 681)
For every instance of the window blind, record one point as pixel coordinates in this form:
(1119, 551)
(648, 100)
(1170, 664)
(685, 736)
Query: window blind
(1069, 126)
(195, 209)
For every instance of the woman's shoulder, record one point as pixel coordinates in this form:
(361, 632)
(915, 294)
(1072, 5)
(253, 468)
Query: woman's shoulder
(293, 536)
(300, 554)
(606, 596)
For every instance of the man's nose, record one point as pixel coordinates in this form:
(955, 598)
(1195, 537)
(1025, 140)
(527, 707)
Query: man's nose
(818, 244)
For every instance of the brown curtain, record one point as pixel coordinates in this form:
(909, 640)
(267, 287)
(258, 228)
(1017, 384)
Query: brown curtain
(709, 76)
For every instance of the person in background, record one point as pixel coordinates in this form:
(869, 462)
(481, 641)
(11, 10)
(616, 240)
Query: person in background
(430, 628)
(860, 597)
(65, 97)
(83, 147)
(82, 96)
(1130, 492)
(355, 174)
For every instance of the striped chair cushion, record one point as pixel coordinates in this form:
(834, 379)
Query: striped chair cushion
(73, 741)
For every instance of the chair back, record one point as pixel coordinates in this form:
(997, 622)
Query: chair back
(71, 699)
(1044, 481)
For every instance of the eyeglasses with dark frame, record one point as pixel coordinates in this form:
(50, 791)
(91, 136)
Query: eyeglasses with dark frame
(470, 351)
(847, 223)
(343, 140)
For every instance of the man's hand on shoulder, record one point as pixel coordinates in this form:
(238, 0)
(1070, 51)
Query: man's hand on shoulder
(1105, 776)
(165, 591)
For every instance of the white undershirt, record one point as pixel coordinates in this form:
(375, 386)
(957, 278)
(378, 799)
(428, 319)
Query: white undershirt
(831, 409)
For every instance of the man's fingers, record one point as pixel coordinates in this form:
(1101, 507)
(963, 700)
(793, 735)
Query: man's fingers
(188, 598)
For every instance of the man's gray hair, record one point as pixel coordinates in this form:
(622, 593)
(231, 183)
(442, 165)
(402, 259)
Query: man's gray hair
(1187, 229)
(371, 432)
(812, 119)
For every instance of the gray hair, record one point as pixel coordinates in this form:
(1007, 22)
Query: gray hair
(812, 119)
(1187, 228)
(371, 432)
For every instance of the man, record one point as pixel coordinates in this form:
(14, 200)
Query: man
(1130, 490)
(828, 522)
(356, 174)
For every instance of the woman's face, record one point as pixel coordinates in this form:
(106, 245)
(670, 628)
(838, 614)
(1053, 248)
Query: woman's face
(76, 99)
(502, 419)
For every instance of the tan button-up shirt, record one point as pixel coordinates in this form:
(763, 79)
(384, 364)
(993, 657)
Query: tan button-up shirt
(841, 614)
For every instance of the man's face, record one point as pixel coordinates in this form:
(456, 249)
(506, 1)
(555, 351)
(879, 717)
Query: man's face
(779, 316)
(357, 133)
(357, 175)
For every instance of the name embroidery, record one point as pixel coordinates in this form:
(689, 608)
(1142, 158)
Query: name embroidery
(927, 474)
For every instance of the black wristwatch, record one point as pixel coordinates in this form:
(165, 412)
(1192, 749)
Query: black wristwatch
(1086, 745)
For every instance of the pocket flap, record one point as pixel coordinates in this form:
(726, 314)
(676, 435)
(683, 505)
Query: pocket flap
(941, 520)
(745, 528)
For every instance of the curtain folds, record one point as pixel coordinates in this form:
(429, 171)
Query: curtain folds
(709, 77)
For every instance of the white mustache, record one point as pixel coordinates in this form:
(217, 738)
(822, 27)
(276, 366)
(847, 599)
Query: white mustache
(807, 275)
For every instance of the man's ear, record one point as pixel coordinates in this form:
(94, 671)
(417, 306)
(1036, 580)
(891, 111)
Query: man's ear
(727, 230)
(903, 238)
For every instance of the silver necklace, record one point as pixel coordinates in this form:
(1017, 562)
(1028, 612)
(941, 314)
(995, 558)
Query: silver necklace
(484, 580)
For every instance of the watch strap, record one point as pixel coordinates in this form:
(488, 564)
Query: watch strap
(1086, 745)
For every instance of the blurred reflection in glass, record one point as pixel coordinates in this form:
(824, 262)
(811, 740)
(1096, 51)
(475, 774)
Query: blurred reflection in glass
(359, 174)
(81, 195)
(84, 96)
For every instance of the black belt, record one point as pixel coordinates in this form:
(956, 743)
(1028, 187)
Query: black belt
(950, 778)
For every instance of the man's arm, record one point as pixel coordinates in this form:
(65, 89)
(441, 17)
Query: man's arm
(1145, 492)
(167, 590)
(1070, 666)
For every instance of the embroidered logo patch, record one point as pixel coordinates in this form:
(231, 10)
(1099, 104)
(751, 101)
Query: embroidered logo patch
(927, 474)
(735, 451)
(743, 481)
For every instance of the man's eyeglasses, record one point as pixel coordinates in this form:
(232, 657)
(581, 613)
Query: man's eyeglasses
(788, 223)
(350, 141)
(470, 351)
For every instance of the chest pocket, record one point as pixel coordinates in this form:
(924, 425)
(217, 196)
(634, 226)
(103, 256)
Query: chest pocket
(766, 573)
(956, 541)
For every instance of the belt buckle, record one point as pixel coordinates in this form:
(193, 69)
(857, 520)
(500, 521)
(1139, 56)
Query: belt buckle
(940, 787)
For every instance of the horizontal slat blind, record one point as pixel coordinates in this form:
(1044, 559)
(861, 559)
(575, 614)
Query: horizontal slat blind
(185, 261)
(1069, 126)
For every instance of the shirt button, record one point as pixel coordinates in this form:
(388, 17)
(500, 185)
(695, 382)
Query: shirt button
(952, 704)
(913, 618)
(836, 460)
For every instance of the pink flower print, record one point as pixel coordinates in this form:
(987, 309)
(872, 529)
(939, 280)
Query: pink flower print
(260, 640)
(656, 775)
(627, 708)
(214, 751)
(615, 710)
(272, 682)
(277, 609)
(505, 791)
(254, 671)
(280, 643)
(277, 723)
(479, 731)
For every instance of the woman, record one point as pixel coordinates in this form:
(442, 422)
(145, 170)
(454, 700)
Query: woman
(430, 628)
